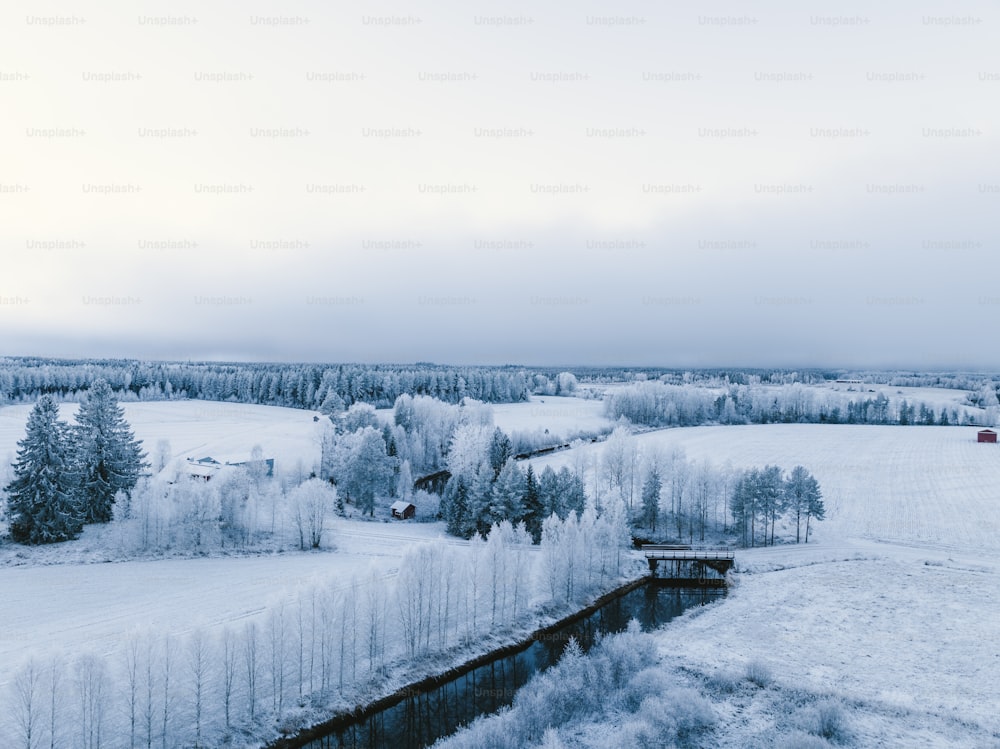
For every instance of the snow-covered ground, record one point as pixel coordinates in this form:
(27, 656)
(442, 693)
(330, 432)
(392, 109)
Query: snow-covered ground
(77, 608)
(904, 638)
(195, 429)
(927, 485)
(558, 414)
(894, 613)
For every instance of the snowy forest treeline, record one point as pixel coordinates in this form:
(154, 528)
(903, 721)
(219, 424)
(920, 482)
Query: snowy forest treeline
(659, 404)
(25, 379)
(306, 386)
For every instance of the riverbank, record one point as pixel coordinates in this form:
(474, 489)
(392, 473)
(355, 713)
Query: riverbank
(854, 644)
(461, 664)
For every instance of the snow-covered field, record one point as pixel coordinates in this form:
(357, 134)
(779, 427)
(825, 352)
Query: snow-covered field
(77, 608)
(894, 613)
(196, 429)
(927, 485)
(904, 638)
(558, 414)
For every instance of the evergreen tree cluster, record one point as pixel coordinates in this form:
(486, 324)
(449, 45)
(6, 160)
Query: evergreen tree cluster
(472, 503)
(66, 476)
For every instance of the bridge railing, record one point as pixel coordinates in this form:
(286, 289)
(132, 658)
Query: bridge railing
(667, 551)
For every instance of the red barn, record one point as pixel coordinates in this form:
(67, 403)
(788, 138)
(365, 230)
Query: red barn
(986, 435)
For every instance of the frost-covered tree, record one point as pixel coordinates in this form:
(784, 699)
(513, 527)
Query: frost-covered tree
(311, 502)
(772, 498)
(27, 693)
(455, 507)
(162, 456)
(358, 416)
(571, 491)
(757, 500)
(801, 492)
(566, 383)
(651, 488)
(500, 450)
(533, 512)
(332, 404)
(481, 498)
(470, 447)
(362, 467)
(615, 459)
(508, 494)
(110, 458)
(42, 498)
(548, 492)
(814, 507)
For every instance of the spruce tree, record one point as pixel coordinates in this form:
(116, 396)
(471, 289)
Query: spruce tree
(42, 504)
(456, 507)
(534, 511)
(501, 450)
(548, 492)
(508, 494)
(109, 456)
(480, 517)
(651, 498)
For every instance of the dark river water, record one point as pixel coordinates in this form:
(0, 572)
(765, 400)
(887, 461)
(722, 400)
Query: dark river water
(421, 719)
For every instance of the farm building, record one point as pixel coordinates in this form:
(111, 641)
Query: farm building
(203, 469)
(986, 435)
(403, 510)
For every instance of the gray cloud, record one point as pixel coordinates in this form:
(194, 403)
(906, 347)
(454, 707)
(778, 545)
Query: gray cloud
(571, 184)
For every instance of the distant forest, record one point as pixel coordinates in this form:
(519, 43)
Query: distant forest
(306, 386)
(339, 386)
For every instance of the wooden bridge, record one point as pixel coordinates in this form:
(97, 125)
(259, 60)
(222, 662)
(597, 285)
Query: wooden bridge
(690, 564)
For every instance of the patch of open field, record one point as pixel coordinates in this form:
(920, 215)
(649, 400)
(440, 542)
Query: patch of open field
(197, 429)
(75, 608)
(924, 485)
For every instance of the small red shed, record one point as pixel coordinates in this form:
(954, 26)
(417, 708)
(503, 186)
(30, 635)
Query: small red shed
(986, 435)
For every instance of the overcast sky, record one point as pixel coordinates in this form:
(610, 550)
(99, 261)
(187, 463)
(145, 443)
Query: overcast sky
(789, 184)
